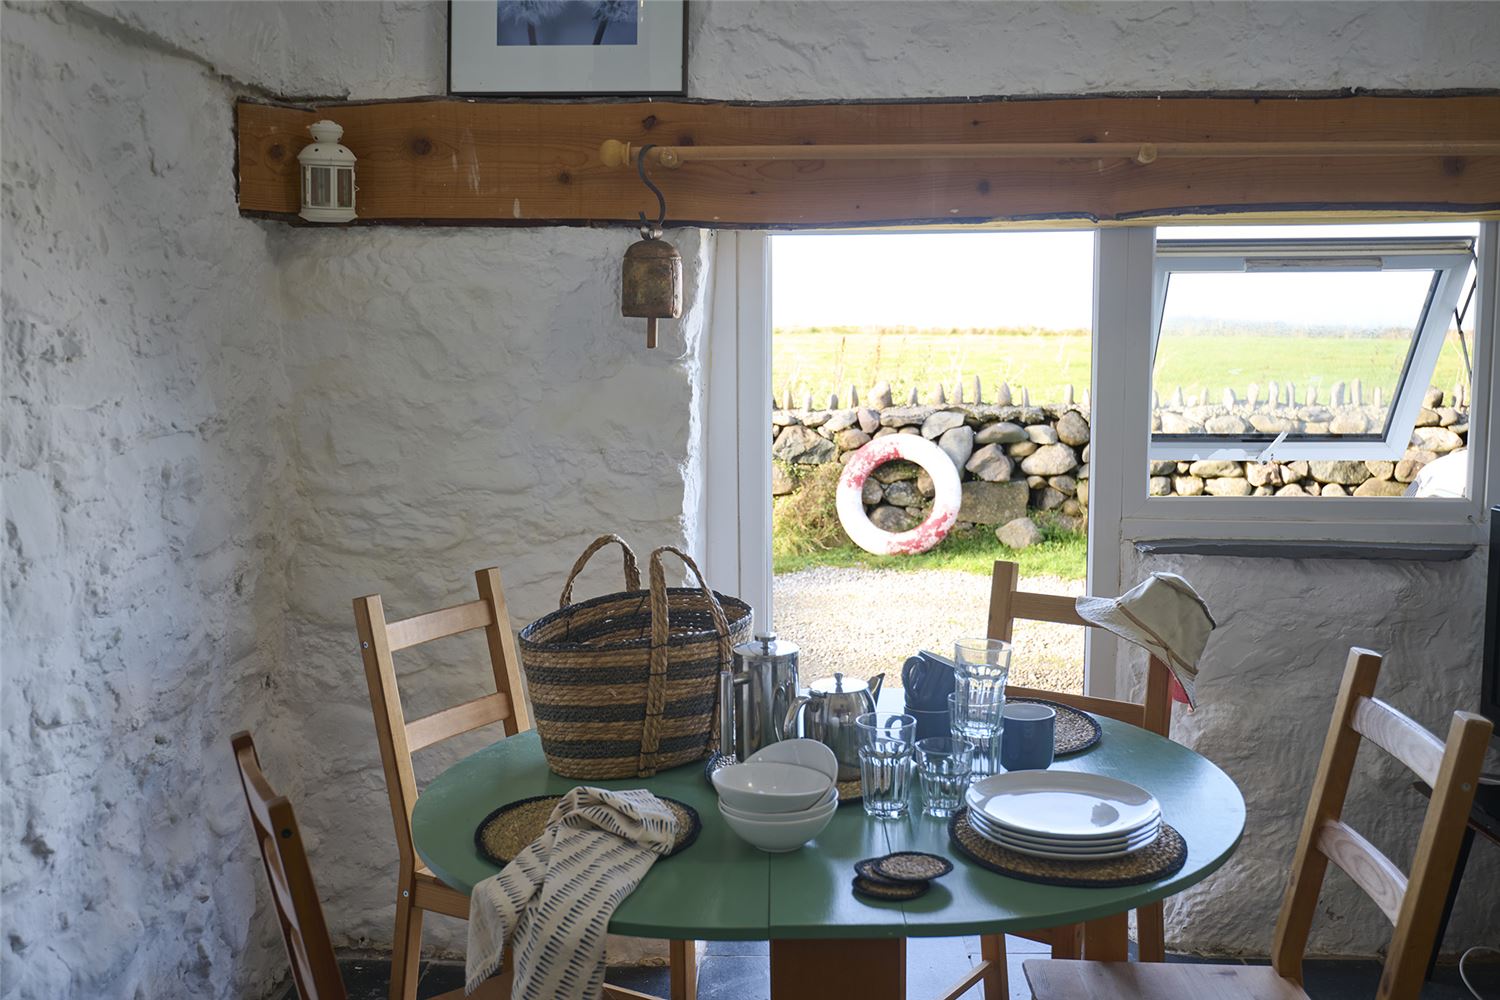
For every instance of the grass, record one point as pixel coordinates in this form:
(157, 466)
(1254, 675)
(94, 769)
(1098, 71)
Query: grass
(1062, 554)
(830, 360)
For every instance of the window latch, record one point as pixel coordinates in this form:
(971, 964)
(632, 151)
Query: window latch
(1268, 455)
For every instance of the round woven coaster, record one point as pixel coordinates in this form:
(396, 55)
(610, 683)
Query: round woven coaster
(1073, 731)
(849, 791)
(912, 866)
(1164, 857)
(890, 892)
(866, 870)
(505, 832)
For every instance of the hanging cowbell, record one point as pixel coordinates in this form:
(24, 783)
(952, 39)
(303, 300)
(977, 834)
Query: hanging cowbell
(651, 283)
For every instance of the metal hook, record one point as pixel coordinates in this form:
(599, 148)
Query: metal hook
(647, 230)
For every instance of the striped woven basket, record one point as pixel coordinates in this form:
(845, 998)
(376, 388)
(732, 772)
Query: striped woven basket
(626, 685)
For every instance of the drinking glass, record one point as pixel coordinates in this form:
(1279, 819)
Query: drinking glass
(944, 765)
(982, 666)
(977, 720)
(885, 762)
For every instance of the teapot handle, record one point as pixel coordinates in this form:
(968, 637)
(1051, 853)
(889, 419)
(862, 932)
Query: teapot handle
(789, 724)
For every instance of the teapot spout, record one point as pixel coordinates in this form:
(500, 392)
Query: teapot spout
(875, 683)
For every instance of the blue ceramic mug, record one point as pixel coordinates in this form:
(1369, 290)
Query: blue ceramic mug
(1026, 736)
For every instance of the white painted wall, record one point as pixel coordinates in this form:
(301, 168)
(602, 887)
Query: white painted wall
(218, 431)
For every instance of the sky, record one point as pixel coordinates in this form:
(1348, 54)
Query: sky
(1043, 279)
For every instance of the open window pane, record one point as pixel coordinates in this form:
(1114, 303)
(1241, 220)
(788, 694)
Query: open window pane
(1250, 355)
(1299, 349)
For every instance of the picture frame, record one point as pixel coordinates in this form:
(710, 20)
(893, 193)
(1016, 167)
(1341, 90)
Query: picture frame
(567, 48)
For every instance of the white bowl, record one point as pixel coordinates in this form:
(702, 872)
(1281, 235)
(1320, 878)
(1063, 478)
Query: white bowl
(777, 836)
(804, 753)
(825, 805)
(770, 787)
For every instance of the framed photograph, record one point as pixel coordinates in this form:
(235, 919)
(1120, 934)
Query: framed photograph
(567, 48)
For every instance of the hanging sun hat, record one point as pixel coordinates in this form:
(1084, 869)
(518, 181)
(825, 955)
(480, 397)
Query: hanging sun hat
(1163, 615)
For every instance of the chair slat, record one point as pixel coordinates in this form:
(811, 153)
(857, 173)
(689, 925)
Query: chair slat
(1400, 737)
(438, 726)
(1046, 607)
(438, 624)
(1362, 861)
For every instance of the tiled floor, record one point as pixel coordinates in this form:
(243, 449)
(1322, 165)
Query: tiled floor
(736, 970)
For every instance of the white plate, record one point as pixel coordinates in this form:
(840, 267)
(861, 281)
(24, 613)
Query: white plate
(1063, 805)
(980, 821)
(804, 753)
(1077, 853)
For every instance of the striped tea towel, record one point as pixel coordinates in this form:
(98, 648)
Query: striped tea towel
(554, 900)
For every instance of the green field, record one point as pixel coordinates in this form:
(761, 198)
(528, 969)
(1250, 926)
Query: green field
(1063, 554)
(830, 360)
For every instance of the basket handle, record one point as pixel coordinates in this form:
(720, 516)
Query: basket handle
(632, 571)
(661, 632)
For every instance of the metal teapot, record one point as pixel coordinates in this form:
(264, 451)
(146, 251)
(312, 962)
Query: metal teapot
(833, 704)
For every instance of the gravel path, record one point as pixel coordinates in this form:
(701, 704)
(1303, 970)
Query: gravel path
(865, 621)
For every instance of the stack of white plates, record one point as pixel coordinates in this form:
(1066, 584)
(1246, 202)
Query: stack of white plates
(1064, 815)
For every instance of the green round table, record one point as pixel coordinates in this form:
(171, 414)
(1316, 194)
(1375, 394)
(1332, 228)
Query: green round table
(723, 889)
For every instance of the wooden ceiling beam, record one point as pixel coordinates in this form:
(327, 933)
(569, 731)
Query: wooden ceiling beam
(450, 161)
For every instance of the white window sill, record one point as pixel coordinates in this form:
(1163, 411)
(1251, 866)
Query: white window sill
(1266, 549)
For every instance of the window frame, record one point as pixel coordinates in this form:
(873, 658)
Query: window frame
(1370, 520)
(1448, 257)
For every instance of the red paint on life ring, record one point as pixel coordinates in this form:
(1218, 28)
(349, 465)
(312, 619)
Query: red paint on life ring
(948, 494)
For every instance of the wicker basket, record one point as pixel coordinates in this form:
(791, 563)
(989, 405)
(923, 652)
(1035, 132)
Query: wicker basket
(619, 688)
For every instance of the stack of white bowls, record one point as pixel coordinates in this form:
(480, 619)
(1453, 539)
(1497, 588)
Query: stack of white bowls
(782, 796)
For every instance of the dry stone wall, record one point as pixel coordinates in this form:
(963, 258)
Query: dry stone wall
(1016, 458)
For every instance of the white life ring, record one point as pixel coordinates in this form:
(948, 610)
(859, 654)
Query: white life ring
(945, 503)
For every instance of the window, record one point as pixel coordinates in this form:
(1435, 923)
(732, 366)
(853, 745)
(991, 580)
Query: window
(1287, 349)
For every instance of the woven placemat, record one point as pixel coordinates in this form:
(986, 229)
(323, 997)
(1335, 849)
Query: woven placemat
(1074, 730)
(505, 832)
(1164, 857)
(849, 791)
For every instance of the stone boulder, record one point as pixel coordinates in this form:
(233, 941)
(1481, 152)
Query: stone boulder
(1003, 432)
(1160, 486)
(958, 444)
(893, 519)
(1380, 488)
(1022, 533)
(1073, 429)
(1042, 434)
(993, 503)
(803, 446)
(941, 421)
(871, 493)
(1216, 468)
(841, 420)
(903, 493)
(1343, 473)
(851, 439)
(892, 472)
(1225, 486)
(1226, 423)
(1187, 486)
(1438, 439)
(1050, 460)
(869, 419)
(781, 480)
(905, 416)
(991, 464)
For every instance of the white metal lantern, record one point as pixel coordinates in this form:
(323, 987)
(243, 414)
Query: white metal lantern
(327, 175)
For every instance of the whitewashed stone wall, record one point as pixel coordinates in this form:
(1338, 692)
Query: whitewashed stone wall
(206, 455)
(145, 478)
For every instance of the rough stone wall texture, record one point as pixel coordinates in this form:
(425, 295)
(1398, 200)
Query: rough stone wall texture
(143, 475)
(458, 401)
(1269, 676)
(190, 504)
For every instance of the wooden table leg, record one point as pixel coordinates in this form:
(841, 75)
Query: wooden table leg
(868, 968)
(1107, 939)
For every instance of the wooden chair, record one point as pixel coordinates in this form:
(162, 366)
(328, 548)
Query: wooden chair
(1413, 904)
(315, 970)
(1155, 714)
(417, 890)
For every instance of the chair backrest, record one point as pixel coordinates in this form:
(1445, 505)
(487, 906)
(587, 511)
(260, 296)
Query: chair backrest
(314, 968)
(1413, 904)
(399, 739)
(1007, 604)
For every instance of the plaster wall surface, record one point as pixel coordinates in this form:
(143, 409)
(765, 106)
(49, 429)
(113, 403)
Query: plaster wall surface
(143, 480)
(1266, 691)
(218, 431)
(460, 399)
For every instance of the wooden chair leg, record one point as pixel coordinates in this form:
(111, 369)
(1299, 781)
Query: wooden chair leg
(996, 977)
(1151, 933)
(1108, 938)
(1067, 942)
(406, 948)
(684, 962)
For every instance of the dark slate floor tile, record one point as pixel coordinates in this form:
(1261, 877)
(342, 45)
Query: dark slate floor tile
(728, 977)
(653, 979)
(739, 949)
